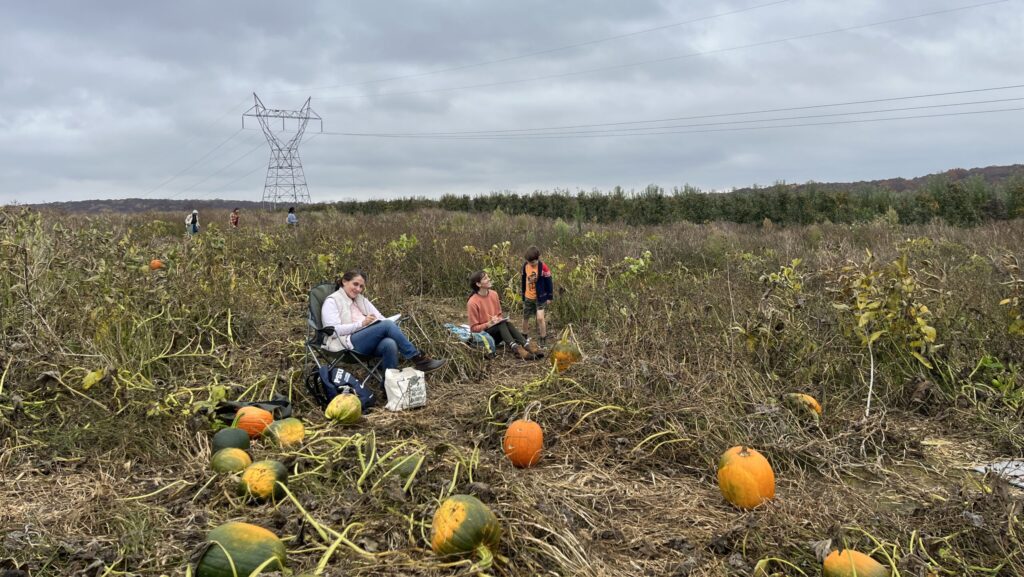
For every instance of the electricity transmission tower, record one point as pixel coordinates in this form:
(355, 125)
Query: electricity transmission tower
(286, 181)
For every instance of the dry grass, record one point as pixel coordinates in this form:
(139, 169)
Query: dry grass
(114, 479)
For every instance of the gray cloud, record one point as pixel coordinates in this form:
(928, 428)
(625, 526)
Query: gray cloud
(111, 99)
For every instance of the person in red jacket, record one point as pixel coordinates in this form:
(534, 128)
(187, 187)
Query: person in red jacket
(537, 290)
(484, 312)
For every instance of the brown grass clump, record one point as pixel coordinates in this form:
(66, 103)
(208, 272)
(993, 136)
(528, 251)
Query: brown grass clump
(110, 372)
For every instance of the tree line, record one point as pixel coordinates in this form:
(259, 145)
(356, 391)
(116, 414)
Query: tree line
(963, 202)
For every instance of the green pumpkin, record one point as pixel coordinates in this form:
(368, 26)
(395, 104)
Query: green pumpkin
(345, 409)
(260, 480)
(230, 437)
(407, 465)
(462, 524)
(288, 432)
(249, 546)
(230, 460)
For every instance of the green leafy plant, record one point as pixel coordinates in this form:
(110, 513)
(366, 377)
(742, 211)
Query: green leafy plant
(882, 307)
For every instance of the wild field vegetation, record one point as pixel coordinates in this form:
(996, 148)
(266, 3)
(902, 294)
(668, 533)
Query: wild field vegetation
(692, 335)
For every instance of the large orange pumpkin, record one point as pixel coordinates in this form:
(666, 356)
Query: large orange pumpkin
(745, 477)
(253, 420)
(847, 563)
(523, 442)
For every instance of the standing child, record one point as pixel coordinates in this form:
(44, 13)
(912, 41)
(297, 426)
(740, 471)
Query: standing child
(293, 220)
(537, 290)
(234, 218)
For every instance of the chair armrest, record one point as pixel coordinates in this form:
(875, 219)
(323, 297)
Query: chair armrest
(326, 331)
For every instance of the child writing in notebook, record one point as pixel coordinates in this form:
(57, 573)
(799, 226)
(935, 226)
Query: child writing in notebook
(484, 312)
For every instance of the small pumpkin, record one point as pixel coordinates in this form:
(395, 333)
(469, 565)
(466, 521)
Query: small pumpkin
(288, 432)
(345, 409)
(803, 404)
(230, 437)
(253, 420)
(462, 524)
(262, 480)
(523, 442)
(566, 352)
(408, 465)
(157, 264)
(230, 460)
(745, 477)
(848, 563)
(249, 546)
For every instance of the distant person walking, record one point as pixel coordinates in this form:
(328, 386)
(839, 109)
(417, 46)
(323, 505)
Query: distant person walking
(293, 220)
(234, 218)
(192, 223)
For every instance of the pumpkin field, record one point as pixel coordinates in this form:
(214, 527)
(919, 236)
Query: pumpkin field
(747, 400)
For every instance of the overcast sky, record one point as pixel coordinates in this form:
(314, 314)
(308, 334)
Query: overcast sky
(132, 99)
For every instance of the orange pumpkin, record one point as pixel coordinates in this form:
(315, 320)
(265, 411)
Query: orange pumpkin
(253, 420)
(523, 442)
(745, 477)
(566, 352)
(156, 264)
(803, 404)
(848, 563)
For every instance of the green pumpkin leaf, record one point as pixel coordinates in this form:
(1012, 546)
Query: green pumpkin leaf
(921, 358)
(92, 378)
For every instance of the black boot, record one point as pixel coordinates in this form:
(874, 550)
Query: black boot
(424, 363)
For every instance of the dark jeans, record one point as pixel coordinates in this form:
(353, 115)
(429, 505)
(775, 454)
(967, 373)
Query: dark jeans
(384, 340)
(506, 332)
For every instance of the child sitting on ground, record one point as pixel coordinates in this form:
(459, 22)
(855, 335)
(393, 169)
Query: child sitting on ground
(484, 312)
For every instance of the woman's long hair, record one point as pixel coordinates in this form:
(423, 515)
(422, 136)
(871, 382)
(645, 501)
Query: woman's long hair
(474, 279)
(349, 275)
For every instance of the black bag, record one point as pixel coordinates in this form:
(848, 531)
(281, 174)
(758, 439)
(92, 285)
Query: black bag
(325, 384)
(278, 406)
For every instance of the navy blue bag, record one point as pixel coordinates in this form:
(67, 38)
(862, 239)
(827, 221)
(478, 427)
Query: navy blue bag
(338, 381)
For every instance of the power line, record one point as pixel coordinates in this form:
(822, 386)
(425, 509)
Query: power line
(560, 136)
(512, 131)
(680, 56)
(222, 169)
(540, 52)
(753, 121)
(194, 163)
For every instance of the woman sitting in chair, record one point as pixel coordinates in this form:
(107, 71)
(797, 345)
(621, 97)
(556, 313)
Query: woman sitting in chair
(484, 312)
(351, 314)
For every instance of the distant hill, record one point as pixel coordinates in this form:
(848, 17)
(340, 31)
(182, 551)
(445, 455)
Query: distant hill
(136, 205)
(990, 174)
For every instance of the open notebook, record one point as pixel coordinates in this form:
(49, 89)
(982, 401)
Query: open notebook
(392, 318)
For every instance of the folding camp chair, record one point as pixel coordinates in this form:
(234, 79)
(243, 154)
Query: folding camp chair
(317, 356)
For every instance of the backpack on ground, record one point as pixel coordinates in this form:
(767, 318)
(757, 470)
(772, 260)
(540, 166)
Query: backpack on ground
(326, 383)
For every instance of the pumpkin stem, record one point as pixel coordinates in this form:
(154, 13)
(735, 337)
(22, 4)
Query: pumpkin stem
(530, 407)
(486, 557)
(743, 451)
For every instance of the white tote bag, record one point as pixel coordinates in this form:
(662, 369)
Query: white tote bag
(406, 388)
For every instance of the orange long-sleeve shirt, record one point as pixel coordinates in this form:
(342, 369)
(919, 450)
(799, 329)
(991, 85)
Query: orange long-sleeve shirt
(480, 309)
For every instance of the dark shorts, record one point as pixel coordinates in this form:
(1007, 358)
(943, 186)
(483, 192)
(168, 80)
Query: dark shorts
(530, 307)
